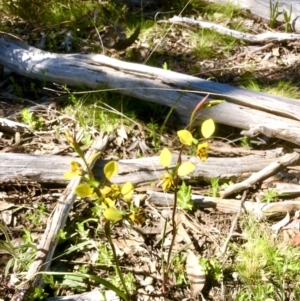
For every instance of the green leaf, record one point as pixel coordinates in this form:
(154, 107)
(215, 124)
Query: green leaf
(110, 169)
(108, 285)
(185, 168)
(84, 190)
(184, 197)
(185, 137)
(113, 214)
(165, 157)
(208, 128)
(212, 103)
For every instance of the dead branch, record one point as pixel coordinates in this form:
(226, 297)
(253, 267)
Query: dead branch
(288, 159)
(10, 126)
(250, 38)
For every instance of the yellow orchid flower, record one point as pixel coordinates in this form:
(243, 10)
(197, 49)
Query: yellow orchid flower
(167, 181)
(202, 151)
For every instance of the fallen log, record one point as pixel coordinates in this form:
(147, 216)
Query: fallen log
(260, 210)
(254, 112)
(39, 168)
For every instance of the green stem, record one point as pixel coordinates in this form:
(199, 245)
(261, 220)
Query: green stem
(174, 226)
(119, 272)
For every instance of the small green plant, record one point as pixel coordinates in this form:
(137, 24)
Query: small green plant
(266, 267)
(37, 217)
(284, 88)
(105, 256)
(178, 268)
(245, 142)
(154, 129)
(129, 280)
(22, 256)
(49, 279)
(225, 185)
(212, 268)
(29, 118)
(17, 89)
(274, 13)
(270, 196)
(250, 83)
(37, 294)
(287, 19)
(185, 197)
(214, 188)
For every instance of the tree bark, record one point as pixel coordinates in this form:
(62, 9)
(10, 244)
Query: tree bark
(254, 112)
(39, 168)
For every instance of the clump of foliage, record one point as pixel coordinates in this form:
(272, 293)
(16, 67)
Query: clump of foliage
(29, 118)
(71, 12)
(45, 12)
(267, 268)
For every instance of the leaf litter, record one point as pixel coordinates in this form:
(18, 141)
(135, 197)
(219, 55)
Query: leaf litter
(141, 248)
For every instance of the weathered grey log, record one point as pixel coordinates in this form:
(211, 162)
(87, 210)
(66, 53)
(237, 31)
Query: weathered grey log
(261, 210)
(251, 111)
(50, 168)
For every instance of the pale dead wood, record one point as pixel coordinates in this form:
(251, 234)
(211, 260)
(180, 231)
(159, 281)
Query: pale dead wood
(94, 295)
(56, 222)
(250, 38)
(50, 168)
(10, 126)
(274, 167)
(243, 109)
(261, 210)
